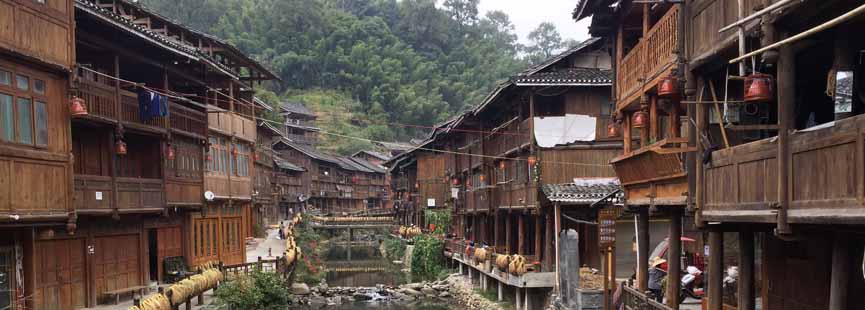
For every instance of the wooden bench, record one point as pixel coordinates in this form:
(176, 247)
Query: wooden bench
(132, 289)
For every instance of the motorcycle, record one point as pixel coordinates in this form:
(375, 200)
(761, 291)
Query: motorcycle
(688, 287)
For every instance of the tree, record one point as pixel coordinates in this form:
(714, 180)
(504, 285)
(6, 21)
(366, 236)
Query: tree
(545, 42)
(464, 12)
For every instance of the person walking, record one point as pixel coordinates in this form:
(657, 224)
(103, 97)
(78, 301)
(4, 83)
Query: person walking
(656, 278)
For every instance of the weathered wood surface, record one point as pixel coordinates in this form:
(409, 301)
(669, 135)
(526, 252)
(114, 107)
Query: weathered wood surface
(741, 182)
(640, 70)
(41, 31)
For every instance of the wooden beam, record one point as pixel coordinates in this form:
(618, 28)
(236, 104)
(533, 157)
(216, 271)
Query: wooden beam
(674, 258)
(626, 134)
(508, 233)
(654, 125)
(716, 269)
(521, 234)
(538, 234)
(785, 105)
(643, 249)
(746, 269)
(840, 277)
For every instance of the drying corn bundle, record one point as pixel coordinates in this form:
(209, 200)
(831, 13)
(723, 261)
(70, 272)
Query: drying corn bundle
(481, 255)
(352, 219)
(517, 265)
(409, 232)
(469, 251)
(194, 285)
(155, 302)
(292, 251)
(502, 261)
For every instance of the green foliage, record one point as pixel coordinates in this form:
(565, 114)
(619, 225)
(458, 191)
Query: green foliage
(546, 40)
(309, 268)
(440, 218)
(395, 62)
(427, 262)
(257, 290)
(394, 248)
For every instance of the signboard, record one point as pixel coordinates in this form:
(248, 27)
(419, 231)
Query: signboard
(607, 227)
(431, 202)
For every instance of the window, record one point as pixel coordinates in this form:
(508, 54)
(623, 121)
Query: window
(25, 126)
(7, 277)
(7, 131)
(23, 109)
(5, 77)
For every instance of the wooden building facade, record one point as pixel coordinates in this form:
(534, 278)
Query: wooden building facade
(104, 133)
(546, 126)
(770, 165)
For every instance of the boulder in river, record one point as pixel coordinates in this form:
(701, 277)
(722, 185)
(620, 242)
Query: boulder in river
(429, 291)
(361, 297)
(410, 291)
(300, 289)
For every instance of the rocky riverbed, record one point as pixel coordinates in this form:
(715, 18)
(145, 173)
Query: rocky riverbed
(454, 290)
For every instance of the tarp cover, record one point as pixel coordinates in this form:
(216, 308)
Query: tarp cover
(560, 130)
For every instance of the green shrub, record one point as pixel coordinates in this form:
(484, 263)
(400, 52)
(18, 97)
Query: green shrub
(394, 248)
(257, 290)
(440, 218)
(427, 262)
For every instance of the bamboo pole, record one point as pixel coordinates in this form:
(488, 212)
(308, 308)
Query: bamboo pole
(807, 33)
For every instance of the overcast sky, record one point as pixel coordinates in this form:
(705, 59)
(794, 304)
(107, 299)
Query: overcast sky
(528, 14)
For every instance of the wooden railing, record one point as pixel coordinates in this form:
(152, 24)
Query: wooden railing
(188, 120)
(301, 139)
(130, 113)
(274, 265)
(514, 195)
(826, 177)
(648, 59)
(97, 192)
(634, 300)
(508, 138)
(99, 98)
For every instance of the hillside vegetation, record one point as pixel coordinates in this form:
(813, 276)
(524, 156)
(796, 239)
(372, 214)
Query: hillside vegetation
(366, 66)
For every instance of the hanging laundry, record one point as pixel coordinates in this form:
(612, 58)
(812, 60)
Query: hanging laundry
(151, 105)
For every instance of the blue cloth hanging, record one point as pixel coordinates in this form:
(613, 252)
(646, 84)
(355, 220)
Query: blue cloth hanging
(151, 105)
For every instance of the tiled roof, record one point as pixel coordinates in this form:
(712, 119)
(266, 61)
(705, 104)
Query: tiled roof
(282, 164)
(569, 76)
(296, 108)
(582, 191)
(375, 168)
(554, 59)
(373, 154)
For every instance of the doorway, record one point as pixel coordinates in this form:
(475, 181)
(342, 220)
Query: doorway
(153, 254)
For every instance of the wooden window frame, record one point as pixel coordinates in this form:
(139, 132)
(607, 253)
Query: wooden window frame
(31, 95)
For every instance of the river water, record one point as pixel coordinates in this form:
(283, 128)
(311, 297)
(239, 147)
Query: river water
(366, 267)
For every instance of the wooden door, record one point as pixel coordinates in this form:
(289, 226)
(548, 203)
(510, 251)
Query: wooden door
(60, 275)
(168, 244)
(204, 240)
(117, 263)
(233, 245)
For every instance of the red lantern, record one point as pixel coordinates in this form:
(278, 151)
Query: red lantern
(255, 156)
(455, 181)
(613, 130)
(759, 88)
(416, 185)
(669, 86)
(170, 153)
(208, 157)
(120, 147)
(354, 179)
(502, 165)
(483, 177)
(78, 108)
(234, 151)
(532, 160)
(640, 119)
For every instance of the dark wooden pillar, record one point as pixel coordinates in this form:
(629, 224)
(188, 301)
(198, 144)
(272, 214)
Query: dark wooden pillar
(746, 269)
(786, 106)
(674, 258)
(840, 273)
(548, 240)
(538, 236)
(643, 249)
(716, 269)
(521, 234)
(497, 232)
(508, 233)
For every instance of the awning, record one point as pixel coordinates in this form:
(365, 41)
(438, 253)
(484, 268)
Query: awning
(582, 191)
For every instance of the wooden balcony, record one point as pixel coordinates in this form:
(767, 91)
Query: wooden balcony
(826, 171)
(515, 196)
(97, 193)
(478, 200)
(100, 97)
(228, 123)
(654, 174)
(302, 139)
(511, 137)
(648, 61)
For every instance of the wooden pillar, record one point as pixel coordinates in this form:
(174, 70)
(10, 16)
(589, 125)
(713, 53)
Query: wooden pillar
(746, 269)
(497, 231)
(716, 269)
(500, 289)
(699, 117)
(646, 19)
(786, 106)
(840, 273)
(626, 133)
(538, 234)
(674, 260)
(519, 301)
(644, 132)
(654, 125)
(508, 233)
(643, 249)
(521, 234)
(548, 241)
(557, 218)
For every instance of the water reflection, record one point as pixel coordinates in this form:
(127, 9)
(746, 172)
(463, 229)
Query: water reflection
(361, 266)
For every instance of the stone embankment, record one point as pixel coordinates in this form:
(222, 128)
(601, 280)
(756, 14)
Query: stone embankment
(465, 295)
(322, 295)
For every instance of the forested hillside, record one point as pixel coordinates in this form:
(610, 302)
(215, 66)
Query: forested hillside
(370, 65)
